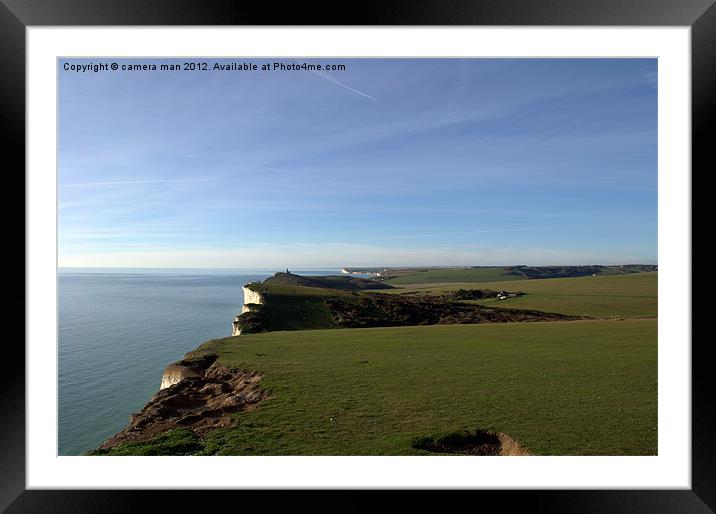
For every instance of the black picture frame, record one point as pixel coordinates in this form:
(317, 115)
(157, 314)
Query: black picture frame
(17, 15)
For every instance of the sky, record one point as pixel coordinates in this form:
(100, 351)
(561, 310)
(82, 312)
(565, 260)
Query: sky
(390, 162)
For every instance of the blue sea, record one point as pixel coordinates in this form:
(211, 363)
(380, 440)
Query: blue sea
(119, 328)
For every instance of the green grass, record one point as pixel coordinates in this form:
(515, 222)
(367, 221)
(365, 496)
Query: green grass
(180, 441)
(293, 307)
(558, 388)
(297, 312)
(626, 296)
(339, 282)
(296, 290)
(565, 388)
(465, 275)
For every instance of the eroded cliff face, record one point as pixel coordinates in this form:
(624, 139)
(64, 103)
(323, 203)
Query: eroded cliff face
(178, 371)
(200, 402)
(235, 328)
(251, 298)
(197, 393)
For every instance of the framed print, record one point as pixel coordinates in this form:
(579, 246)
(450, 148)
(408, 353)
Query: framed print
(294, 250)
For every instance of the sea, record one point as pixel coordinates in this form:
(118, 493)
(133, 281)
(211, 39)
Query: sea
(118, 330)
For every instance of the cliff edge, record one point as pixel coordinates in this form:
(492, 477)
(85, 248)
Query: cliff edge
(252, 300)
(203, 396)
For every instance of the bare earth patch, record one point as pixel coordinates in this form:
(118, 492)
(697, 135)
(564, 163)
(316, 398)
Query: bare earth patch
(200, 403)
(479, 442)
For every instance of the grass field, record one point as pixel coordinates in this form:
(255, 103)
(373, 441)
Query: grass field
(466, 275)
(565, 388)
(626, 296)
(584, 387)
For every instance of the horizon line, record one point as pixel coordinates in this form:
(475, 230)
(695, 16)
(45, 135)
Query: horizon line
(368, 266)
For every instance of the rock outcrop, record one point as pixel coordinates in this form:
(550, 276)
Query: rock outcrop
(178, 371)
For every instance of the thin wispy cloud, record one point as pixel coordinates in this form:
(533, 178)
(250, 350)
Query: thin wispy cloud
(460, 158)
(323, 255)
(132, 182)
(487, 231)
(337, 82)
(68, 205)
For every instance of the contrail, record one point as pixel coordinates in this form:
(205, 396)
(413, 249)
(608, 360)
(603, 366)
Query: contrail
(123, 182)
(339, 83)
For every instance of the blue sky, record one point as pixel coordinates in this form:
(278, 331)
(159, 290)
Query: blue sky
(389, 162)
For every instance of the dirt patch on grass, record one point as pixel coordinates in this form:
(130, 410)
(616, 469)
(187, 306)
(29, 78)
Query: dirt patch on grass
(199, 403)
(479, 442)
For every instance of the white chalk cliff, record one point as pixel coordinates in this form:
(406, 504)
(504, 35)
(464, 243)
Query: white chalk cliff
(251, 298)
(175, 373)
(178, 371)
